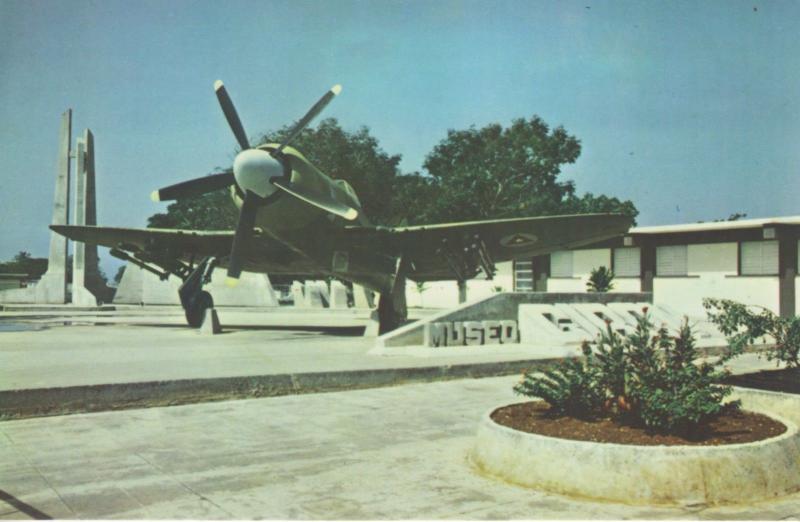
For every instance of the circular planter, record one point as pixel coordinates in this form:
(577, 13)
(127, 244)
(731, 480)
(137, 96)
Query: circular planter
(682, 475)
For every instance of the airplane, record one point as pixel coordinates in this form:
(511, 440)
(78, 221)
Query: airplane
(295, 220)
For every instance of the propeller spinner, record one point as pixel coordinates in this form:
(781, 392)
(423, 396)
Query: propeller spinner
(258, 173)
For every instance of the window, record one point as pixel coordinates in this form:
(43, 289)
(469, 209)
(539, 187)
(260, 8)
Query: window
(671, 260)
(758, 258)
(627, 262)
(523, 276)
(561, 264)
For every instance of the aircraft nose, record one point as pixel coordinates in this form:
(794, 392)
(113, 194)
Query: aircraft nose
(253, 170)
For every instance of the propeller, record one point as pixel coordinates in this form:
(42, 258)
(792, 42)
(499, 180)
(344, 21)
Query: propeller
(231, 115)
(194, 187)
(258, 173)
(244, 230)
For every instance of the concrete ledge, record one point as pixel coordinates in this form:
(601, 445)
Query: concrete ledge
(682, 475)
(41, 402)
(502, 306)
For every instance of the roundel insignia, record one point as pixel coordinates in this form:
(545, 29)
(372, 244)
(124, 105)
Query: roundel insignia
(518, 240)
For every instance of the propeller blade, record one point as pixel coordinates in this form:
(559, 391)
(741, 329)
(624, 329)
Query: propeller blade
(310, 115)
(194, 187)
(244, 230)
(327, 204)
(230, 114)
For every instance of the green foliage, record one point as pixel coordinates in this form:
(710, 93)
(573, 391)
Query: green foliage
(119, 274)
(668, 390)
(600, 280)
(570, 388)
(509, 172)
(472, 174)
(743, 327)
(24, 263)
(654, 381)
(212, 211)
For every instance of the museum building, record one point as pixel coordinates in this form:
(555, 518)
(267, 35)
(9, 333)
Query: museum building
(753, 261)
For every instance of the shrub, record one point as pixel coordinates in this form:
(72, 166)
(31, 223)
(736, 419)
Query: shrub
(743, 327)
(671, 392)
(654, 381)
(600, 280)
(570, 388)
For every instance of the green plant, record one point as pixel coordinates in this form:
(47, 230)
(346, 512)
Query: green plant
(649, 380)
(672, 392)
(600, 280)
(742, 327)
(571, 387)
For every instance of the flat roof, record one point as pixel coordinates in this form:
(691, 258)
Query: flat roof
(716, 225)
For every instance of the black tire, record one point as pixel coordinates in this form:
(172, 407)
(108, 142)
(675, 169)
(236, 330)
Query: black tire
(197, 310)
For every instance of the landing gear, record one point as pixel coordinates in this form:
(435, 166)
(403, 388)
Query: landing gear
(392, 311)
(196, 311)
(194, 299)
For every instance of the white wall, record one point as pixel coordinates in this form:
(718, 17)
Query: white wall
(685, 294)
(444, 294)
(583, 262)
(712, 272)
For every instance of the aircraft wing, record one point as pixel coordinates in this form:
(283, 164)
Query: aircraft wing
(166, 247)
(435, 250)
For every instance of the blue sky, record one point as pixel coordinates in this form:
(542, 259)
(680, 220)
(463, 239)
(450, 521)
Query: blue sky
(690, 109)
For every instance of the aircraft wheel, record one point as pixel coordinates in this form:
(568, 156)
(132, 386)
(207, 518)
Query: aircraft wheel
(197, 311)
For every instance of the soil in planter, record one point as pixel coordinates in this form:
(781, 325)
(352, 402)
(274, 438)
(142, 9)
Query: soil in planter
(730, 428)
(786, 380)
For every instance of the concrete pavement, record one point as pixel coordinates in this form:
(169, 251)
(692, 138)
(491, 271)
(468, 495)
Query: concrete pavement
(387, 453)
(63, 360)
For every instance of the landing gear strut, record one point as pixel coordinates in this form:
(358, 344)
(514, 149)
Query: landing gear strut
(194, 299)
(392, 311)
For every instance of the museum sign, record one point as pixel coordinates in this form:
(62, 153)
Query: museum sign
(471, 333)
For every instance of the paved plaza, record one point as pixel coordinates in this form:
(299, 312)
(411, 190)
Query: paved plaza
(387, 453)
(398, 451)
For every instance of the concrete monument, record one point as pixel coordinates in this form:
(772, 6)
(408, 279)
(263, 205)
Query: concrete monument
(52, 287)
(87, 285)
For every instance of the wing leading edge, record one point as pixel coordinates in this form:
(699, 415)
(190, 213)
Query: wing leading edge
(165, 246)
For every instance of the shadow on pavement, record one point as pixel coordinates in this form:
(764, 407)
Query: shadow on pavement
(23, 507)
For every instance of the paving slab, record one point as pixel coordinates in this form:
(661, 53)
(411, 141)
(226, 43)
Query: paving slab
(384, 453)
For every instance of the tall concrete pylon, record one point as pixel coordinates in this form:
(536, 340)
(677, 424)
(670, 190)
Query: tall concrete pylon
(52, 287)
(87, 285)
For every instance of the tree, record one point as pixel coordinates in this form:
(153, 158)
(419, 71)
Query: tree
(119, 274)
(24, 263)
(601, 280)
(212, 211)
(510, 172)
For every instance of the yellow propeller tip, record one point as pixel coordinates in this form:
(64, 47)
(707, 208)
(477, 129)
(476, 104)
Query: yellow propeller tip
(231, 282)
(336, 89)
(155, 196)
(351, 214)
(218, 85)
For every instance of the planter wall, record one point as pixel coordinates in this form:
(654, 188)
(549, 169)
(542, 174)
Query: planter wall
(682, 475)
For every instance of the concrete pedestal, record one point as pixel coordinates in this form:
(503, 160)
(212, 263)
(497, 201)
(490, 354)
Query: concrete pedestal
(338, 294)
(298, 294)
(315, 298)
(139, 286)
(362, 297)
(129, 290)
